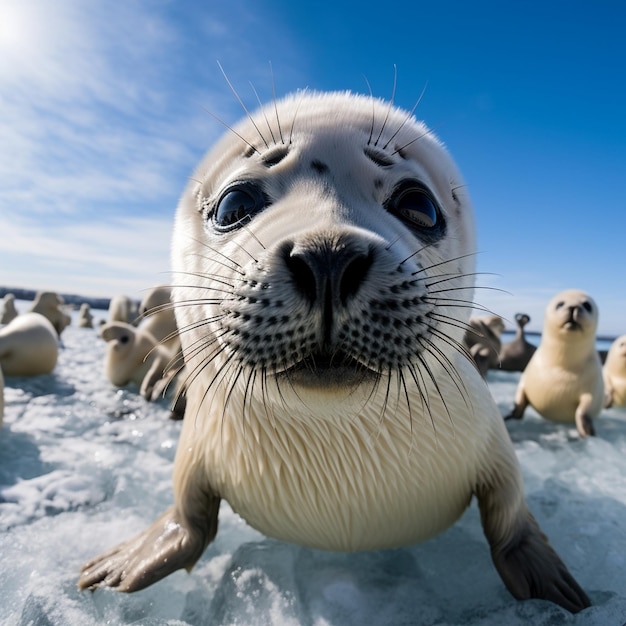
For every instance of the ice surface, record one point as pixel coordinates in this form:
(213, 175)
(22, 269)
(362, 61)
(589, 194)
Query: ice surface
(84, 465)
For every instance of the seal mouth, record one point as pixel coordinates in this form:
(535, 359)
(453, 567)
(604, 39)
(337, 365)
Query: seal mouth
(324, 369)
(572, 325)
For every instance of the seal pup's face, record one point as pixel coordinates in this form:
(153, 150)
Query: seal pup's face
(572, 313)
(326, 241)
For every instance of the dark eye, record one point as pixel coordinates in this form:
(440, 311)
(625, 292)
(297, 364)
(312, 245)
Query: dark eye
(587, 306)
(417, 209)
(124, 339)
(237, 205)
(560, 304)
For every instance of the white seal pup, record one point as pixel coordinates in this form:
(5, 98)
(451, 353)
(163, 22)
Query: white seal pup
(156, 315)
(122, 309)
(29, 346)
(9, 312)
(515, 354)
(49, 304)
(134, 355)
(85, 316)
(323, 270)
(563, 379)
(614, 372)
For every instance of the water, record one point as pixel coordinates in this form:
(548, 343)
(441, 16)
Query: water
(84, 465)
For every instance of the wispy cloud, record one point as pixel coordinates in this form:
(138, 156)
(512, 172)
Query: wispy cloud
(102, 120)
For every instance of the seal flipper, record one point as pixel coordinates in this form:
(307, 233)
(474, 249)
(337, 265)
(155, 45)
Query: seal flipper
(164, 547)
(525, 560)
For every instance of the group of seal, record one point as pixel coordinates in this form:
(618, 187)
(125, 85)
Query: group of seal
(323, 261)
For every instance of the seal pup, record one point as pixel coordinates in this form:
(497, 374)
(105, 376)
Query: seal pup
(134, 355)
(156, 315)
(49, 304)
(9, 312)
(563, 379)
(482, 339)
(122, 309)
(323, 271)
(29, 346)
(85, 317)
(515, 354)
(614, 373)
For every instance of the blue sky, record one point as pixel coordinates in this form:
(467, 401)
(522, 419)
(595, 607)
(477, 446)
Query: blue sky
(103, 116)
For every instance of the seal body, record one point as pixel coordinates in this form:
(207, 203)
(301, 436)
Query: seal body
(134, 356)
(614, 373)
(85, 316)
(323, 263)
(49, 304)
(482, 338)
(29, 346)
(563, 379)
(515, 354)
(8, 312)
(156, 316)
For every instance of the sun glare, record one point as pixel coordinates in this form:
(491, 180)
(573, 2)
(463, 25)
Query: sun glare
(18, 28)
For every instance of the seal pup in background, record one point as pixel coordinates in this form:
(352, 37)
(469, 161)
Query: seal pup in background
(563, 379)
(323, 256)
(156, 315)
(85, 317)
(515, 354)
(9, 312)
(122, 309)
(614, 373)
(49, 304)
(482, 339)
(29, 346)
(134, 355)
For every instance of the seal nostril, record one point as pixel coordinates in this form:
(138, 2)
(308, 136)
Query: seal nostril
(353, 276)
(303, 276)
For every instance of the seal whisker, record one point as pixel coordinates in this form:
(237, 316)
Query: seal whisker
(263, 113)
(390, 104)
(280, 131)
(243, 106)
(231, 129)
(295, 115)
(409, 143)
(407, 118)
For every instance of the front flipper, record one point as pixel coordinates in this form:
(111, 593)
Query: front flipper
(525, 560)
(584, 423)
(161, 549)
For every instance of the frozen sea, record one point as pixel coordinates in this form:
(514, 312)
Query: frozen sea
(84, 465)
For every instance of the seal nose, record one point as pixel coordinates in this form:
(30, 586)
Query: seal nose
(328, 272)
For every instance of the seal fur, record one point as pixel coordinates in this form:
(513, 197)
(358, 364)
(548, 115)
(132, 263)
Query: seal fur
(563, 379)
(323, 271)
(614, 373)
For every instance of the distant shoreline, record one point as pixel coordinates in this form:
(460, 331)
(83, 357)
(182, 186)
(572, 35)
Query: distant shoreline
(73, 299)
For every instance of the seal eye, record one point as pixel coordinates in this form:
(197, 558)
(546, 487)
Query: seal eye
(415, 206)
(238, 204)
(587, 306)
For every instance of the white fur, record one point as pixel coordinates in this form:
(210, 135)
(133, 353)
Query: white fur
(614, 372)
(334, 469)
